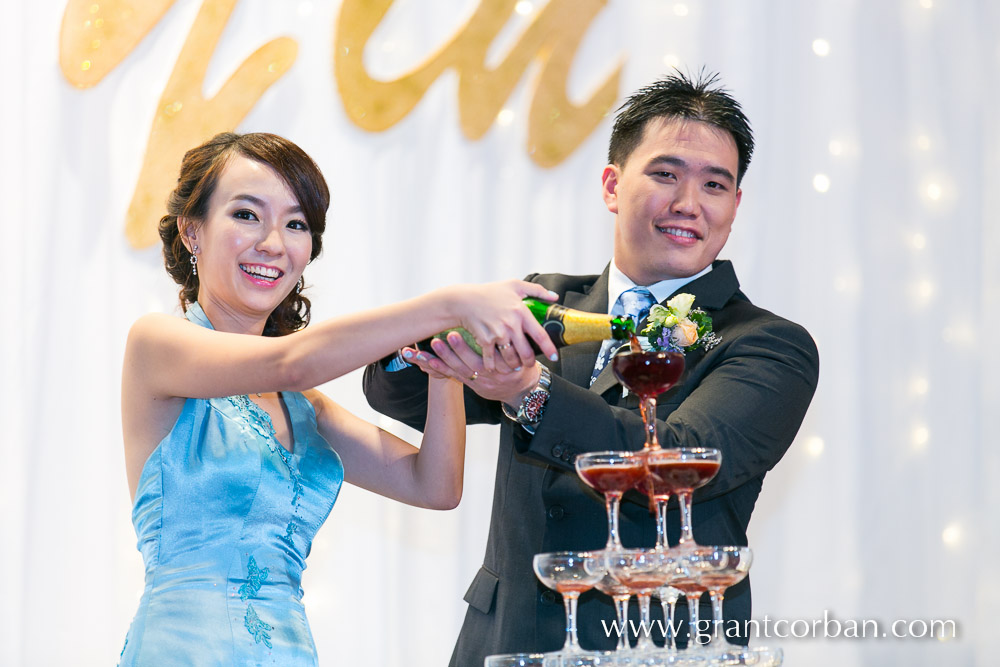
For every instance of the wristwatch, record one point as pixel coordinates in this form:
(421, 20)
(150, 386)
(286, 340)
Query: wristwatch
(529, 413)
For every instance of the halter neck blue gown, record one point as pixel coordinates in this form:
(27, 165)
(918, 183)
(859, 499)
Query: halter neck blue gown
(225, 517)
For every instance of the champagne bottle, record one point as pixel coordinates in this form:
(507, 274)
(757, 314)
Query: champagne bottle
(565, 326)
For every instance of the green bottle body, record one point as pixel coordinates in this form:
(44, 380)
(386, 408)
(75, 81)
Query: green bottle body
(565, 326)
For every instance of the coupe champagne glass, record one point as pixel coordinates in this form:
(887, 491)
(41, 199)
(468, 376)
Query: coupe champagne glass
(647, 374)
(684, 470)
(718, 568)
(683, 577)
(659, 487)
(642, 571)
(611, 473)
(569, 573)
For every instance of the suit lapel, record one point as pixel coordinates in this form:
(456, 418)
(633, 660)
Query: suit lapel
(577, 361)
(714, 289)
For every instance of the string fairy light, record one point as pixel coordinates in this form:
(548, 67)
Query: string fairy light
(919, 386)
(672, 60)
(952, 536)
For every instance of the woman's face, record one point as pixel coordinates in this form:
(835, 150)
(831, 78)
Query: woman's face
(253, 244)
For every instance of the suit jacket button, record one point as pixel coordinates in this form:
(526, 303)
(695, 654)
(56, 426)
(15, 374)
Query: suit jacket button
(557, 451)
(549, 597)
(556, 512)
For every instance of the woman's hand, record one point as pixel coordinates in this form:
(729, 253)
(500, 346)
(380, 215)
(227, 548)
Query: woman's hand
(422, 360)
(496, 317)
(455, 359)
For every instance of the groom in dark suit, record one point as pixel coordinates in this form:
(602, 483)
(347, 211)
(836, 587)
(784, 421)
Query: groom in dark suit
(678, 152)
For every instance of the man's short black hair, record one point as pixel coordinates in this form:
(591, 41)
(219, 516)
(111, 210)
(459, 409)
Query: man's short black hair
(678, 96)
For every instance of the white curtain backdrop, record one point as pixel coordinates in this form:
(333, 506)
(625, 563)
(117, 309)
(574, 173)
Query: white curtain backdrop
(868, 216)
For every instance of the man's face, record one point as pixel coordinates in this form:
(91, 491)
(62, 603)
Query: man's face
(674, 200)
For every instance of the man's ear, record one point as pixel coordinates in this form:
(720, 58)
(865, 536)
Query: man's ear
(609, 187)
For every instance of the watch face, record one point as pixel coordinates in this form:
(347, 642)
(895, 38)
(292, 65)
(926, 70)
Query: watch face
(531, 409)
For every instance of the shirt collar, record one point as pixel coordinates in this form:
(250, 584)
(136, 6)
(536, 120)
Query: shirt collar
(618, 283)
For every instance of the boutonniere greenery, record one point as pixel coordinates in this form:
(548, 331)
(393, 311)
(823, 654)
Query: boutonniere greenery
(677, 327)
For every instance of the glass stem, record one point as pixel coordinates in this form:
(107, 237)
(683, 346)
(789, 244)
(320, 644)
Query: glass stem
(612, 500)
(717, 640)
(692, 601)
(572, 644)
(621, 608)
(687, 533)
(648, 410)
(669, 607)
(661, 523)
(644, 641)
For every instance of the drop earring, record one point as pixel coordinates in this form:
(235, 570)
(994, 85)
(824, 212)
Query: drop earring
(194, 262)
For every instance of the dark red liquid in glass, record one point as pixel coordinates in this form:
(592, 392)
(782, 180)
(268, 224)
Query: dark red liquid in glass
(675, 476)
(613, 478)
(655, 487)
(648, 374)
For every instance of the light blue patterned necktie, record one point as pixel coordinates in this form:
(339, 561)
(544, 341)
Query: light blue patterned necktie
(634, 304)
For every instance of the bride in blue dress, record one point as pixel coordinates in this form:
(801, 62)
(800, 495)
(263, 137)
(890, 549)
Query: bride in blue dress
(233, 459)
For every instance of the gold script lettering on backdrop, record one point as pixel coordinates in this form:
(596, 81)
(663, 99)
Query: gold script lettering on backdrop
(184, 118)
(96, 35)
(556, 127)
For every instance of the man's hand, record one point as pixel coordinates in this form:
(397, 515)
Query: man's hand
(457, 360)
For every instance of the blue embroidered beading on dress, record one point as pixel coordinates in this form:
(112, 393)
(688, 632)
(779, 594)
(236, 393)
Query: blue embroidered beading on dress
(258, 419)
(255, 417)
(225, 517)
(257, 628)
(255, 578)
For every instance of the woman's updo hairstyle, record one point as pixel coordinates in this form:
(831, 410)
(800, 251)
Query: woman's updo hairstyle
(199, 175)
